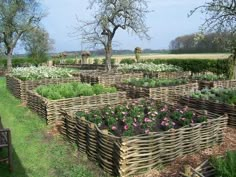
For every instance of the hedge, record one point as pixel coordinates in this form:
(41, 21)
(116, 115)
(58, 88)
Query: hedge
(219, 66)
(18, 62)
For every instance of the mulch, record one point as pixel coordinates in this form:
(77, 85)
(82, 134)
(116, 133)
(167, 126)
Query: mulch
(194, 160)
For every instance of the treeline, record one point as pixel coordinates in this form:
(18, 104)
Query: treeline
(100, 52)
(193, 43)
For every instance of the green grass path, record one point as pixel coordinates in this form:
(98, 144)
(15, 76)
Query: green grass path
(35, 152)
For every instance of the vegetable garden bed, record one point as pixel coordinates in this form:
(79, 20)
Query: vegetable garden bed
(162, 93)
(219, 108)
(19, 88)
(107, 79)
(126, 156)
(50, 109)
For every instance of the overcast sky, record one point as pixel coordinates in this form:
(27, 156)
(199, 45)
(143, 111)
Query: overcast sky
(168, 20)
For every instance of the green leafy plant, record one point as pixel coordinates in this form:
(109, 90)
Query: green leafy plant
(209, 77)
(225, 166)
(36, 73)
(74, 89)
(221, 95)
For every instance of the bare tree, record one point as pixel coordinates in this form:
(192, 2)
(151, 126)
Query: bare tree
(221, 17)
(16, 18)
(111, 15)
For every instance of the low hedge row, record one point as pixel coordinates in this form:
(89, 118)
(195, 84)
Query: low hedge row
(21, 62)
(219, 66)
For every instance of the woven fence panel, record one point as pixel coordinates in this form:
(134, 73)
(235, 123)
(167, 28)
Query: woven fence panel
(50, 109)
(167, 75)
(108, 79)
(219, 108)
(128, 156)
(164, 94)
(19, 88)
(170, 145)
(217, 84)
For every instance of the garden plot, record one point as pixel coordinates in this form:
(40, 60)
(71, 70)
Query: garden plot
(159, 89)
(48, 100)
(23, 79)
(131, 138)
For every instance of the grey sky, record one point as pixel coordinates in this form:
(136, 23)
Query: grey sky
(167, 21)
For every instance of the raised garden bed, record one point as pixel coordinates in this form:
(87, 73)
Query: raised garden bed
(161, 71)
(107, 79)
(23, 79)
(213, 81)
(50, 109)
(19, 88)
(129, 155)
(161, 93)
(209, 101)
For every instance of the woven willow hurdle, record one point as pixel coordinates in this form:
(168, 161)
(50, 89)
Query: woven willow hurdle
(167, 75)
(101, 67)
(126, 156)
(216, 84)
(19, 88)
(107, 79)
(219, 108)
(50, 109)
(165, 94)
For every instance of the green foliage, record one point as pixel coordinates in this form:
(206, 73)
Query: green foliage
(112, 61)
(197, 65)
(74, 89)
(225, 166)
(217, 94)
(36, 73)
(127, 61)
(209, 77)
(21, 62)
(147, 82)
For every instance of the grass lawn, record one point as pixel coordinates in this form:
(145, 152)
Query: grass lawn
(36, 152)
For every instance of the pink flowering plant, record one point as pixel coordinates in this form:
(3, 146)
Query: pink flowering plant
(142, 117)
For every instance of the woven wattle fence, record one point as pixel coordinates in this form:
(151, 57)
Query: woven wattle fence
(212, 106)
(216, 84)
(167, 75)
(126, 156)
(165, 94)
(19, 88)
(50, 109)
(107, 79)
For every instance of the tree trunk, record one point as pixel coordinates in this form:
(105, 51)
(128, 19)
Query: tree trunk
(9, 61)
(108, 52)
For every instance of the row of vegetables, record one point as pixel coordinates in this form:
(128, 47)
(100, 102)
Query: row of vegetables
(37, 73)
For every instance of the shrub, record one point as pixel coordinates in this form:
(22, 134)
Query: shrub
(127, 61)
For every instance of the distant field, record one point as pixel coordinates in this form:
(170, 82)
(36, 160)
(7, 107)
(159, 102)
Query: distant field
(171, 56)
(118, 58)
